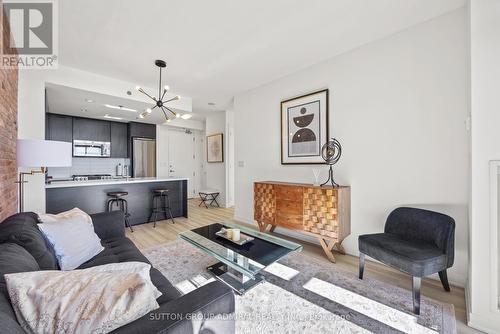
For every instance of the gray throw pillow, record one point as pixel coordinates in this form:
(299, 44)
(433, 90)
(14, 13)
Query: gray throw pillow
(21, 229)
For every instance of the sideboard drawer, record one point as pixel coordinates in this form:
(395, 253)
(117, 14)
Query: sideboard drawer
(291, 221)
(288, 206)
(289, 193)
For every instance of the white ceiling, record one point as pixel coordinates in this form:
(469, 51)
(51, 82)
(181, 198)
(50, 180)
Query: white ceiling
(218, 48)
(71, 101)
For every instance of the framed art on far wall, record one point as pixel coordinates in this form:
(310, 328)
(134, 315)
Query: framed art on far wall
(304, 128)
(215, 148)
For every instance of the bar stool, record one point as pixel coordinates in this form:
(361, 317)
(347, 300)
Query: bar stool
(118, 200)
(161, 204)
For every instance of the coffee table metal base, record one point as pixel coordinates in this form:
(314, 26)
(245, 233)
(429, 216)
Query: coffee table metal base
(239, 282)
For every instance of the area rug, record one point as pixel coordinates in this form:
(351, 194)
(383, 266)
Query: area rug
(304, 295)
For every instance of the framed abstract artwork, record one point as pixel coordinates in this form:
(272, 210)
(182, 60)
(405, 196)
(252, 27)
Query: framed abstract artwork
(304, 128)
(215, 148)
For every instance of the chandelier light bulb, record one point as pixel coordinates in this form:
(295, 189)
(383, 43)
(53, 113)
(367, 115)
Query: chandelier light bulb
(166, 88)
(177, 115)
(178, 97)
(148, 110)
(138, 88)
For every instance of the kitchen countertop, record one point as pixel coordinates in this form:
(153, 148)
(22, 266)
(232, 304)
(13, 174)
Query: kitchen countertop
(67, 184)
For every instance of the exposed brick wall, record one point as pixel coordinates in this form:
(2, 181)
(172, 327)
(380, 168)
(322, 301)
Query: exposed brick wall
(8, 138)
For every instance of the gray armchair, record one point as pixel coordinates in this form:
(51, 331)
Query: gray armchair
(415, 241)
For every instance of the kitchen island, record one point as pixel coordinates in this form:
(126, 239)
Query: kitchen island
(91, 196)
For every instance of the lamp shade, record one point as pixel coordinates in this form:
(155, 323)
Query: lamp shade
(43, 153)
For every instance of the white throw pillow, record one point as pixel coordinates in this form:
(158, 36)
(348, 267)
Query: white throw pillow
(94, 300)
(72, 237)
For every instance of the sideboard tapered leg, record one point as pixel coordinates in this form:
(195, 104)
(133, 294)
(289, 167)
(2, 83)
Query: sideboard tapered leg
(327, 248)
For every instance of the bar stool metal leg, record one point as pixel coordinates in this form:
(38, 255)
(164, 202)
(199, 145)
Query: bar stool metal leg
(127, 216)
(167, 200)
(155, 209)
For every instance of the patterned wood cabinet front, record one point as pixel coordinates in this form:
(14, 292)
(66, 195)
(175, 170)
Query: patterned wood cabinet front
(323, 212)
(264, 203)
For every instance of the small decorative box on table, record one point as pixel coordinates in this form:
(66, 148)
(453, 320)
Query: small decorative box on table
(321, 212)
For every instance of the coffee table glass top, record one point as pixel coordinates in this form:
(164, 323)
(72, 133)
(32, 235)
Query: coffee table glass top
(249, 258)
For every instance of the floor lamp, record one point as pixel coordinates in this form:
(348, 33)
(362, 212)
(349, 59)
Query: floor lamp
(40, 154)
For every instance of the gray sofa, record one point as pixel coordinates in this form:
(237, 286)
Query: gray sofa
(23, 248)
(415, 241)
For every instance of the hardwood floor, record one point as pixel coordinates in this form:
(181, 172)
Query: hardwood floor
(145, 236)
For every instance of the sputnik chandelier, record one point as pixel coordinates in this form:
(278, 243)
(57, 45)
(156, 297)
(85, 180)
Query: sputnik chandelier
(158, 101)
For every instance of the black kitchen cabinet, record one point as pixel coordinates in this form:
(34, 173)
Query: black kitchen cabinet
(59, 127)
(91, 129)
(142, 130)
(119, 142)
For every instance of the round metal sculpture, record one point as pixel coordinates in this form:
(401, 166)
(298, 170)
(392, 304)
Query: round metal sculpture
(331, 152)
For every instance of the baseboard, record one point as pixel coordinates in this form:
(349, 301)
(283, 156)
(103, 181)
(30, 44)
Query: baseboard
(467, 301)
(487, 324)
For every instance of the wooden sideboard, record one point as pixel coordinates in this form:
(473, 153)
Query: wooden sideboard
(321, 212)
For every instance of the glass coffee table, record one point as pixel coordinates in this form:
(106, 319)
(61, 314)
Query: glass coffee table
(239, 266)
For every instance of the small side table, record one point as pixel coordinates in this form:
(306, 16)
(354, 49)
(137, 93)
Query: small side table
(210, 197)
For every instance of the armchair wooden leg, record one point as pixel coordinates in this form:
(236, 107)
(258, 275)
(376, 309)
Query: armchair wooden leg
(361, 265)
(443, 276)
(416, 294)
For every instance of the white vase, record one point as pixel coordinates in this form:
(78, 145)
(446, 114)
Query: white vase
(316, 173)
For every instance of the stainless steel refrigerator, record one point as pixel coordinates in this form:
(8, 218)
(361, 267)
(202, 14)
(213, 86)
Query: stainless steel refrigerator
(143, 157)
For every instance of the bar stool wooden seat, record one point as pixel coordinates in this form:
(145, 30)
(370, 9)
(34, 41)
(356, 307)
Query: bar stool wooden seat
(161, 205)
(116, 199)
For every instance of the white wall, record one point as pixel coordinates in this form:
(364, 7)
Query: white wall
(229, 159)
(485, 114)
(398, 107)
(31, 110)
(216, 171)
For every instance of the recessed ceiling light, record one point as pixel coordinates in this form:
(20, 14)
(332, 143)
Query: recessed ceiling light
(186, 116)
(119, 107)
(111, 117)
(211, 103)
(89, 100)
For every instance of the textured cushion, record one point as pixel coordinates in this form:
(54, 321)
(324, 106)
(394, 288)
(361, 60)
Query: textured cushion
(210, 300)
(71, 234)
(13, 259)
(109, 225)
(22, 229)
(51, 301)
(115, 251)
(169, 292)
(416, 258)
(8, 320)
(426, 226)
(123, 250)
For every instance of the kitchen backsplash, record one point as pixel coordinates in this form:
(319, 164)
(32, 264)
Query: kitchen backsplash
(83, 166)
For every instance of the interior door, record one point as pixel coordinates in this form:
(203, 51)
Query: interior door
(181, 154)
